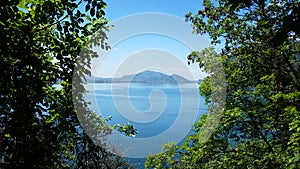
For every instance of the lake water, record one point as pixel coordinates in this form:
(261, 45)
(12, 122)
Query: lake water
(153, 109)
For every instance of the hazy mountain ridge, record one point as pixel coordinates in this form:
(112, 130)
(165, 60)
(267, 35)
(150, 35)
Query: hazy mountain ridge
(147, 76)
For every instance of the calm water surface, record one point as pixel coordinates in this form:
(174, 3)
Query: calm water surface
(163, 101)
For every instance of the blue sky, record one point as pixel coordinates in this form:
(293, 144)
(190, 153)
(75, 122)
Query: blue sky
(119, 8)
(174, 42)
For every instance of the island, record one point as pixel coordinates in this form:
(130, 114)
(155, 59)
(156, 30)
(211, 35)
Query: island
(148, 76)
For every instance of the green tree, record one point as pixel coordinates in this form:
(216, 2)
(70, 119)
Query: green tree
(41, 40)
(260, 126)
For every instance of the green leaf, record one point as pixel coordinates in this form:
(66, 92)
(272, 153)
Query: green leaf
(52, 118)
(92, 12)
(22, 4)
(87, 7)
(7, 135)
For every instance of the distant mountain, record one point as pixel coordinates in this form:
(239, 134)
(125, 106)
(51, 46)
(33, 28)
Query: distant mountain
(147, 76)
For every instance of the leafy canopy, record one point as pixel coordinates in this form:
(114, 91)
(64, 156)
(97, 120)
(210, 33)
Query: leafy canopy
(41, 40)
(260, 126)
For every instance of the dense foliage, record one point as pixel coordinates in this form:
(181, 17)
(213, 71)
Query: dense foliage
(260, 126)
(40, 43)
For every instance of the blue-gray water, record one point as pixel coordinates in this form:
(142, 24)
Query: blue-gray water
(143, 97)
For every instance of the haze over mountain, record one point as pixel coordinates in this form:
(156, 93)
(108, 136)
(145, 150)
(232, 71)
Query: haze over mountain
(147, 76)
